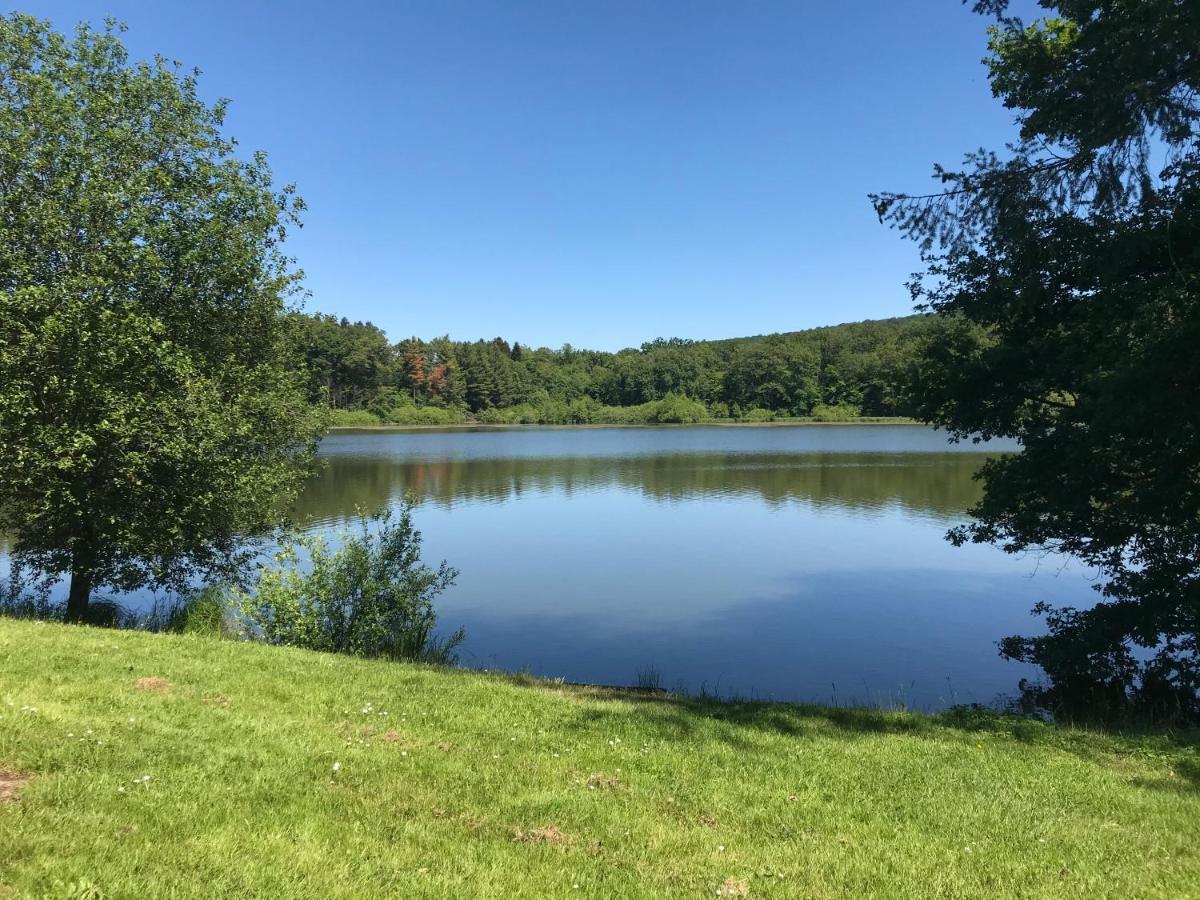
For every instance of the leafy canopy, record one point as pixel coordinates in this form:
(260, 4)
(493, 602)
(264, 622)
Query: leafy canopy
(1067, 272)
(151, 403)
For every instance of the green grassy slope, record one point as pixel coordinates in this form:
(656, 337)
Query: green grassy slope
(454, 784)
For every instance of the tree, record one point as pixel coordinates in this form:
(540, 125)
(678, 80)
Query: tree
(1067, 274)
(152, 396)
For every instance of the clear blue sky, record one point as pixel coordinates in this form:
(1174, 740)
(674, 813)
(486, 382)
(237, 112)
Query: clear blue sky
(598, 172)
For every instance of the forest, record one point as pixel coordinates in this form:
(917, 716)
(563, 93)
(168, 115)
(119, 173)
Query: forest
(840, 372)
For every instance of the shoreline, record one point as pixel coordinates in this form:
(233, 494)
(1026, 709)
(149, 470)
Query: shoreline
(783, 423)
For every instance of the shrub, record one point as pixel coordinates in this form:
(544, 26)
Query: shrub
(403, 414)
(372, 596)
(841, 412)
(675, 409)
(352, 418)
(583, 411)
(205, 613)
(387, 401)
(509, 416)
(757, 415)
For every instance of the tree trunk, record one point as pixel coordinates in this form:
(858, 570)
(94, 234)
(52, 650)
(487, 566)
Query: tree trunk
(81, 591)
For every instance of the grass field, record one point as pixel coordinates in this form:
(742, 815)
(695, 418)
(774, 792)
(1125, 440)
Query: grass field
(139, 765)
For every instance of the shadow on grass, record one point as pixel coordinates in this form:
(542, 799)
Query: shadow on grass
(740, 723)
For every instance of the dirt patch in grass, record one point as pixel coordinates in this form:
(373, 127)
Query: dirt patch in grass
(11, 783)
(734, 887)
(547, 834)
(152, 684)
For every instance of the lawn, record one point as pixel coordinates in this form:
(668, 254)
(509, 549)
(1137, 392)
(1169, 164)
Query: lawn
(140, 765)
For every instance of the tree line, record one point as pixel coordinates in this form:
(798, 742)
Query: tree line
(842, 371)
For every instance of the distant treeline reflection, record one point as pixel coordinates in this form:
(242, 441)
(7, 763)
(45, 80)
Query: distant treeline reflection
(933, 484)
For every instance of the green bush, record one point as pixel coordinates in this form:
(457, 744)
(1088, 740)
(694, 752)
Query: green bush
(207, 613)
(425, 415)
(509, 416)
(372, 596)
(757, 415)
(583, 411)
(352, 418)
(675, 409)
(387, 401)
(841, 412)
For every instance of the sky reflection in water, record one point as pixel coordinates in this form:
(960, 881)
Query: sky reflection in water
(789, 563)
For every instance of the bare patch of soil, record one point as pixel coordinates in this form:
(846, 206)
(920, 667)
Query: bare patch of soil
(153, 684)
(547, 834)
(11, 783)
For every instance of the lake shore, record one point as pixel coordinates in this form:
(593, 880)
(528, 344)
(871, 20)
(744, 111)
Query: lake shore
(449, 781)
(723, 423)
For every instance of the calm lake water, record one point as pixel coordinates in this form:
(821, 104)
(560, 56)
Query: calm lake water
(790, 563)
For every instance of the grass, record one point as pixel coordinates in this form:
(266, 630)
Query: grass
(187, 766)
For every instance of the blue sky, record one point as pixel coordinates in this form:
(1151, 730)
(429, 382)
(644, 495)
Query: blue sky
(598, 173)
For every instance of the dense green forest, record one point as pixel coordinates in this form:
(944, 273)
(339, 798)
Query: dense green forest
(837, 372)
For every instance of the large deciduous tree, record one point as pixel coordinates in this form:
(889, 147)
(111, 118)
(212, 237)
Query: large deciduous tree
(152, 401)
(1066, 268)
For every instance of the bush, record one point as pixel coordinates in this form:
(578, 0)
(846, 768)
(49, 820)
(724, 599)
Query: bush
(387, 401)
(373, 596)
(583, 411)
(757, 415)
(512, 415)
(206, 613)
(675, 409)
(841, 412)
(352, 418)
(425, 415)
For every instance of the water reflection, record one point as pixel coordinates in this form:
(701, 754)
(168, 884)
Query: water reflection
(770, 561)
(763, 561)
(936, 485)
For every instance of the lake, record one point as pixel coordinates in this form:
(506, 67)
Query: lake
(787, 563)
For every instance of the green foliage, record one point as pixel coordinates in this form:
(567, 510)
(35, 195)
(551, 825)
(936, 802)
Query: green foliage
(152, 404)
(353, 418)
(675, 409)
(207, 613)
(370, 596)
(348, 363)
(719, 409)
(1066, 277)
(865, 364)
(841, 412)
(757, 415)
(424, 415)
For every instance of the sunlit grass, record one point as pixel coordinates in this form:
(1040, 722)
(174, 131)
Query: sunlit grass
(187, 766)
